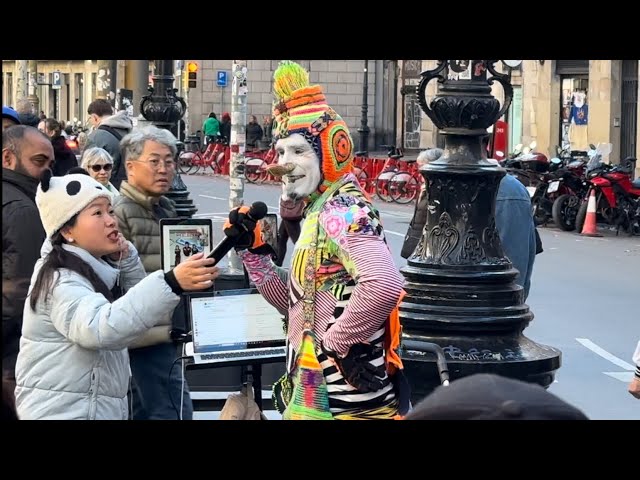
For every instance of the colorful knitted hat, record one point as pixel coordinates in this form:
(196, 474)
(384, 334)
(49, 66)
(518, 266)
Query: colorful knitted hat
(302, 108)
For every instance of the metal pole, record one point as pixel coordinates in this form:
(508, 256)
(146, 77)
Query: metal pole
(164, 109)
(238, 140)
(460, 285)
(33, 86)
(106, 82)
(21, 80)
(137, 80)
(364, 128)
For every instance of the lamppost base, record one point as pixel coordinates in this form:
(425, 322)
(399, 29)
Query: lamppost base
(513, 356)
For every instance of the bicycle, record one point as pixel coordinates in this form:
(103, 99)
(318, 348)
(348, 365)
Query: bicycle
(389, 170)
(405, 185)
(255, 167)
(213, 156)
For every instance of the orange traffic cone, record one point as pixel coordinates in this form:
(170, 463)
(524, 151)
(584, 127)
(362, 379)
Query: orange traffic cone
(589, 229)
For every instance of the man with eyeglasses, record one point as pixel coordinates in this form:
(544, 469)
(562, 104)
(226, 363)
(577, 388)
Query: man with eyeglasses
(149, 155)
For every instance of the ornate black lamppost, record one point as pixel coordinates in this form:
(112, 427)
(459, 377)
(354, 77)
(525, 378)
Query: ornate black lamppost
(164, 109)
(364, 128)
(460, 286)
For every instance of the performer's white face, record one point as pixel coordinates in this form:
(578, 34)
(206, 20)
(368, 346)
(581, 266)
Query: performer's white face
(302, 166)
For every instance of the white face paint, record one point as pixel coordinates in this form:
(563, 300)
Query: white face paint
(304, 179)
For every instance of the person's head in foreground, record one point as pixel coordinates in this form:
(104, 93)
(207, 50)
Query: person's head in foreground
(492, 397)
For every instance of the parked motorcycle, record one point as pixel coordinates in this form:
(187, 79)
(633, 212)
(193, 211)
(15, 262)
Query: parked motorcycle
(617, 196)
(569, 188)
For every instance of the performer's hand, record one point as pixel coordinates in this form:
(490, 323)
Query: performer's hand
(247, 231)
(634, 387)
(357, 369)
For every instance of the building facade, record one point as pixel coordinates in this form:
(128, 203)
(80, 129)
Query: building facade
(555, 102)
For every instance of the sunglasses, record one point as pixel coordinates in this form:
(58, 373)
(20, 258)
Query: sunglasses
(106, 167)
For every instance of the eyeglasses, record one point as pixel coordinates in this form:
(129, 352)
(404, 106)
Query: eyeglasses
(106, 167)
(155, 163)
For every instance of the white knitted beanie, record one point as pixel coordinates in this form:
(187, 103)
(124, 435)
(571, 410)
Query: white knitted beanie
(60, 198)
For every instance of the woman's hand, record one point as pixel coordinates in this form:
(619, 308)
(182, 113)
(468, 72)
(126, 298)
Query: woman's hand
(196, 273)
(123, 249)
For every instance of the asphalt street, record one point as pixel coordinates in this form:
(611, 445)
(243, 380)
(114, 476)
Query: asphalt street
(585, 296)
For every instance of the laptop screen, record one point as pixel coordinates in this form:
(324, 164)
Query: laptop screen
(232, 321)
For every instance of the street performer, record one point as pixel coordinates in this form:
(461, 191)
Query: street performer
(342, 291)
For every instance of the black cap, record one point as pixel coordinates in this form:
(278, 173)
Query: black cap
(492, 397)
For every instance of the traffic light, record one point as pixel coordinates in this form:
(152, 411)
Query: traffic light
(192, 73)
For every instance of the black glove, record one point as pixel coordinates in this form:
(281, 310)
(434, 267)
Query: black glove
(357, 370)
(241, 227)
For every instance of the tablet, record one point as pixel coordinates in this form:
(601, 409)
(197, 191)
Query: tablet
(181, 238)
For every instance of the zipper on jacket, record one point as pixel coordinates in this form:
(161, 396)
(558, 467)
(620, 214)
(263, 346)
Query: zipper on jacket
(93, 391)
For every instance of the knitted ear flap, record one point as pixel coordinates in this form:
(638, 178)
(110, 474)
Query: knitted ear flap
(45, 178)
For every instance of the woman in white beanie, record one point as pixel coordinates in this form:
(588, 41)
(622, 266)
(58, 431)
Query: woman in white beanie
(99, 164)
(73, 361)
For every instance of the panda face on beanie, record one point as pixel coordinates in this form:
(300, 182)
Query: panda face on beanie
(60, 198)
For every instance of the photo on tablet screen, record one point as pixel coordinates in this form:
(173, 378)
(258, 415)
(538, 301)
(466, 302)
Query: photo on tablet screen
(179, 242)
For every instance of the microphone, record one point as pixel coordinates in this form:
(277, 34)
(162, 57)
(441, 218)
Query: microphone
(257, 211)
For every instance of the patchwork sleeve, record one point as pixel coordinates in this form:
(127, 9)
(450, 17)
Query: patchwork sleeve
(356, 231)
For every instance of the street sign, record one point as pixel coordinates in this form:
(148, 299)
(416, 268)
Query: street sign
(56, 82)
(222, 78)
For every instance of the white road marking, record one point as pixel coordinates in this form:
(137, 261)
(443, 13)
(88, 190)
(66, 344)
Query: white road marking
(622, 376)
(213, 198)
(391, 232)
(606, 355)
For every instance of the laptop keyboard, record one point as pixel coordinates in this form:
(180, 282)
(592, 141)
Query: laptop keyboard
(269, 352)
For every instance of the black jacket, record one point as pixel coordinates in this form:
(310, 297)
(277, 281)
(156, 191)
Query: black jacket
(414, 233)
(65, 158)
(254, 134)
(225, 130)
(22, 238)
(29, 119)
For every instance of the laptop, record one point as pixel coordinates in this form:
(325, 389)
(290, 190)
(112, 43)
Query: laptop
(234, 325)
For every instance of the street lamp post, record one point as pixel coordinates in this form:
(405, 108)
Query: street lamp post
(164, 109)
(460, 286)
(364, 128)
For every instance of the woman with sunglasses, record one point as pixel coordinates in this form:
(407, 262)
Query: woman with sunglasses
(98, 162)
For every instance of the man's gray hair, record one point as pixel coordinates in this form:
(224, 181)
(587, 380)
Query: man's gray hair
(132, 144)
(94, 155)
(429, 155)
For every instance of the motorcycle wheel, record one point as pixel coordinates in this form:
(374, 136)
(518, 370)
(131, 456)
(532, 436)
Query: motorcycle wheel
(581, 216)
(565, 211)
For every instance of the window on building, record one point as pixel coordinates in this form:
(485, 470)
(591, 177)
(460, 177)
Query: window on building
(9, 89)
(574, 108)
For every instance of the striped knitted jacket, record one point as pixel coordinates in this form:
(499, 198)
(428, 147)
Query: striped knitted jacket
(357, 285)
